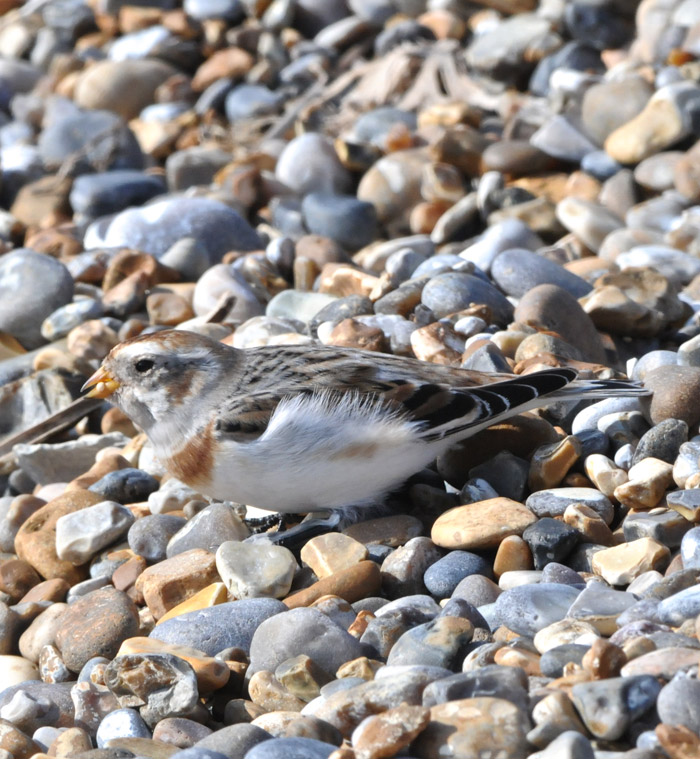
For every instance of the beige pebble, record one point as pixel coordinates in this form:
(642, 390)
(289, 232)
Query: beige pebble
(255, 570)
(550, 463)
(172, 581)
(385, 734)
(267, 691)
(589, 523)
(328, 553)
(480, 525)
(16, 669)
(513, 554)
(619, 565)
(604, 474)
(212, 595)
(565, 631)
(647, 484)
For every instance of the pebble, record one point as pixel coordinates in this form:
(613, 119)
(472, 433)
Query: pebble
(149, 536)
(82, 534)
(526, 609)
(252, 570)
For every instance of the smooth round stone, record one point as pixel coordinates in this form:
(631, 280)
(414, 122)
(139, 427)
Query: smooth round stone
(504, 235)
(74, 132)
(689, 352)
(295, 304)
(254, 570)
(221, 280)
(343, 218)
(218, 627)
(674, 610)
(690, 549)
(662, 441)
(508, 683)
(526, 609)
(553, 661)
(32, 287)
(588, 418)
(291, 748)
(124, 86)
(608, 707)
(675, 389)
(554, 502)
(338, 310)
(610, 104)
(558, 138)
(156, 227)
(309, 163)
(80, 535)
(198, 752)
(517, 271)
(125, 486)
(664, 525)
(109, 192)
(251, 101)
(234, 740)
(373, 126)
(442, 577)
(227, 10)
(600, 165)
(454, 291)
(652, 360)
(590, 222)
(15, 670)
(679, 703)
(121, 723)
(95, 625)
(64, 319)
(442, 642)
(302, 631)
(437, 264)
(207, 529)
(149, 536)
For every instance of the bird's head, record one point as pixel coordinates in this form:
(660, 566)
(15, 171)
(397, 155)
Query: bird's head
(154, 377)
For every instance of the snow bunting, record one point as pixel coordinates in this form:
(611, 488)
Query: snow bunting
(302, 428)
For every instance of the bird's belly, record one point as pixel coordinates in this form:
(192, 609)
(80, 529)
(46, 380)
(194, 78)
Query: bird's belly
(287, 482)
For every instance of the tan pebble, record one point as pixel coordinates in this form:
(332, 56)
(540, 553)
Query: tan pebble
(663, 663)
(266, 691)
(550, 463)
(211, 595)
(344, 752)
(41, 631)
(168, 309)
(125, 575)
(473, 727)
(619, 565)
(17, 577)
(553, 715)
(362, 619)
(563, 632)
(387, 531)
(328, 553)
(481, 525)
(589, 523)
(43, 203)
(385, 734)
(513, 554)
(424, 216)
(173, 581)
(70, 742)
(129, 262)
(146, 747)
(17, 669)
(675, 565)
(35, 542)
(352, 584)
(49, 590)
(211, 673)
(343, 280)
(513, 657)
(603, 659)
(437, 343)
(351, 333)
(115, 420)
(443, 24)
(91, 340)
(301, 676)
(288, 724)
(15, 742)
(360, 667)
(604, 474)
(678, 741)
(229, 63)
(647, 484)
(634, 647)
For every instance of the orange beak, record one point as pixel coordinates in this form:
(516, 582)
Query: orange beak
(102, 384)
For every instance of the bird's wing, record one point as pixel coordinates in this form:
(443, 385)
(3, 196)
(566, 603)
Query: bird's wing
(435, 396)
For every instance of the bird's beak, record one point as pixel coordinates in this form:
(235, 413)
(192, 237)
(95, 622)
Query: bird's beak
(102, 384)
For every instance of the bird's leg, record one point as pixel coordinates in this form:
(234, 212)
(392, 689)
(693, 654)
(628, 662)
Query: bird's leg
(295, 537)
(259, 525)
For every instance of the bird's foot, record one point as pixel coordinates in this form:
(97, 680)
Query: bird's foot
(295, 537)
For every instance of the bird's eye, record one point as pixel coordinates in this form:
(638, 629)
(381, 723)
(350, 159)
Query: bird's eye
(144, 364)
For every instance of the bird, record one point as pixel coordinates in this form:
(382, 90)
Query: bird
(304, 428)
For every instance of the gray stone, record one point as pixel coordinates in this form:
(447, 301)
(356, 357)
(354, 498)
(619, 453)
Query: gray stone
(207, 529)
(218, 627)
(526, 609)
(121, 723)
(679, 702)
(149, 536)
(81, 534)
(453, 291)
(32, 286)
(517, 271)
